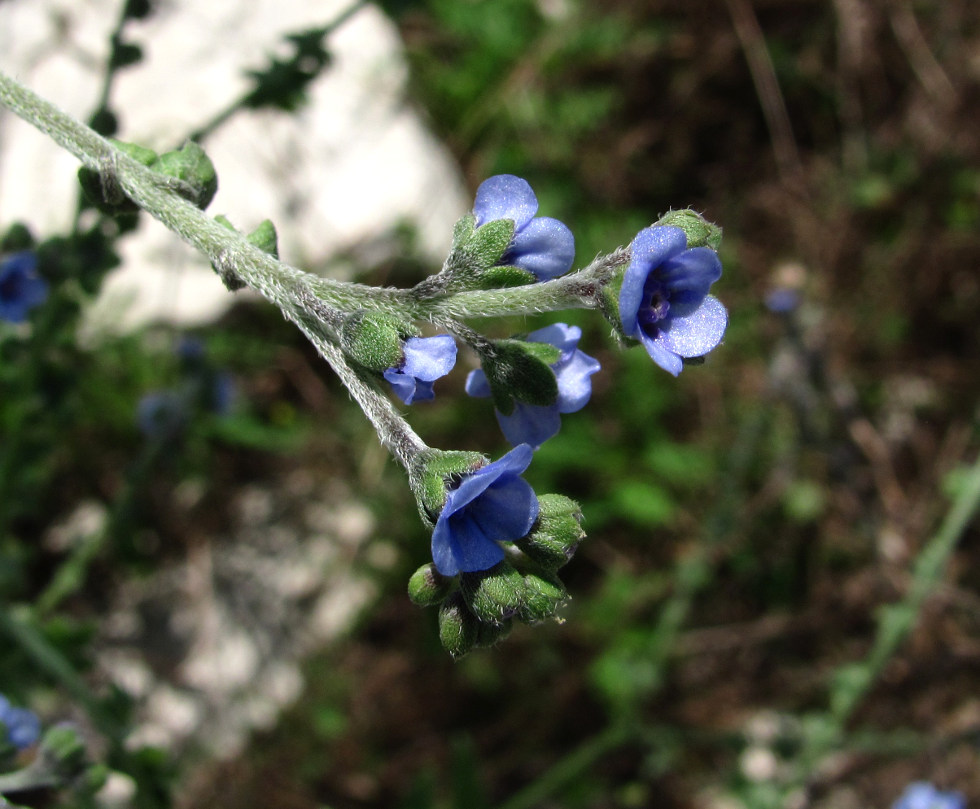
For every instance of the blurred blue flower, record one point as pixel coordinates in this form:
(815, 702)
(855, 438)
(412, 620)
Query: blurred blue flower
(162, 414)
(664, 301)
(535, 424)
(493, 504)
(23, 728)
(923, 795)
(21, 288)
(426, 359)
(541, 245)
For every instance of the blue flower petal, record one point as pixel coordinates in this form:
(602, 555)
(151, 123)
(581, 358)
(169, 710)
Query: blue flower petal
(660, 354)
(21, 289)
(429, 358)
(688, 276)
(696, 334)
(505, 197)
(648, 250)
(544, 247)
(530, 424)
(574, 385)
(477, 384)
(493, 504)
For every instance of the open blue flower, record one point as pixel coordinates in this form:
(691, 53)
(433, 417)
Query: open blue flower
(494, 504)
(541, 245)
(426, 359)
(923, 795)
(535, 424)
(664, 301)
(21, 288)
(22, 726)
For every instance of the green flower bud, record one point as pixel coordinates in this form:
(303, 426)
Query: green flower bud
(520, 370)
(18, 237)
(265, 238)
(556, 534)
(63, 752)
(543, 595)
(198, 180)
(492, 634)
(427, 587)
(434, 472)
(458, 627)
(103, 193)
(700, 232)
(374, 339)
(493, 595)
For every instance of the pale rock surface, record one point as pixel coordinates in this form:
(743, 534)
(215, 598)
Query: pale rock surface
(349, 166)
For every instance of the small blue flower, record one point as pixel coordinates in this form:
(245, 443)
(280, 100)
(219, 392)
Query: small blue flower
(923, 795)
(535, 424)
(162, 414)
(21, 288)
(493, 504)
(23, 728)
(541, 245)
(664, 301)
(426, 359)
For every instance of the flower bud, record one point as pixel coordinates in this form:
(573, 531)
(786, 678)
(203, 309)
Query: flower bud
(434, 472)
(521, 370)
(543, 595)
(492, 634)
(102, 193)
(699, 231)
(493, 595)
(195, 171)
(374, 339)
(427, 587)
(556, 534)
(458, 627)
(265, 238)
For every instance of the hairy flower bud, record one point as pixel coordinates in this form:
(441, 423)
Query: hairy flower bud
(427, 587)
(493, 595)
(699, 231)
(374, 339)
(198, 180)
(458, 627)
(543, 595)
(556, 534)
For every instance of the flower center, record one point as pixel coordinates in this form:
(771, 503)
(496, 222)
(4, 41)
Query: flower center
(655, 310)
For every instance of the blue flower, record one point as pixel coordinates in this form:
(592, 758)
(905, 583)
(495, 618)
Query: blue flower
(491, 505)
(664, 301)
(535, 424)
(426, 359)
(923, 795)
(21, 288)
(541, 245)
(162, 414)
(22, 725)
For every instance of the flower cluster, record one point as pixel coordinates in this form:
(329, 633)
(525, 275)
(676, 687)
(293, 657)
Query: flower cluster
(496, 545)
(21, 288)
(19, 727)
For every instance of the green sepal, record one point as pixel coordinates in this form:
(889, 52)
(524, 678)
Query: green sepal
(374, 339)
(493, 595)
(519, 370)
(434, 472)
(428, 587)
(556, 534)
(543, 595)
(195, 171)
(505, 277)
(458, 627)
(488, 243)
(492, 634)
(699, 231)
(609, 301)
(265, 238)
(94, 189)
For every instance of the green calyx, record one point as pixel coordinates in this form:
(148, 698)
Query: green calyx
(458, 627)
(521, 371)
(493, 595)
(543, 595)
(556, 534)
(428, 587)
(374, 339)
(435, 472)
(101, 193)
(476, 253)
(194, 171)
(264, 237)
(699, 231)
